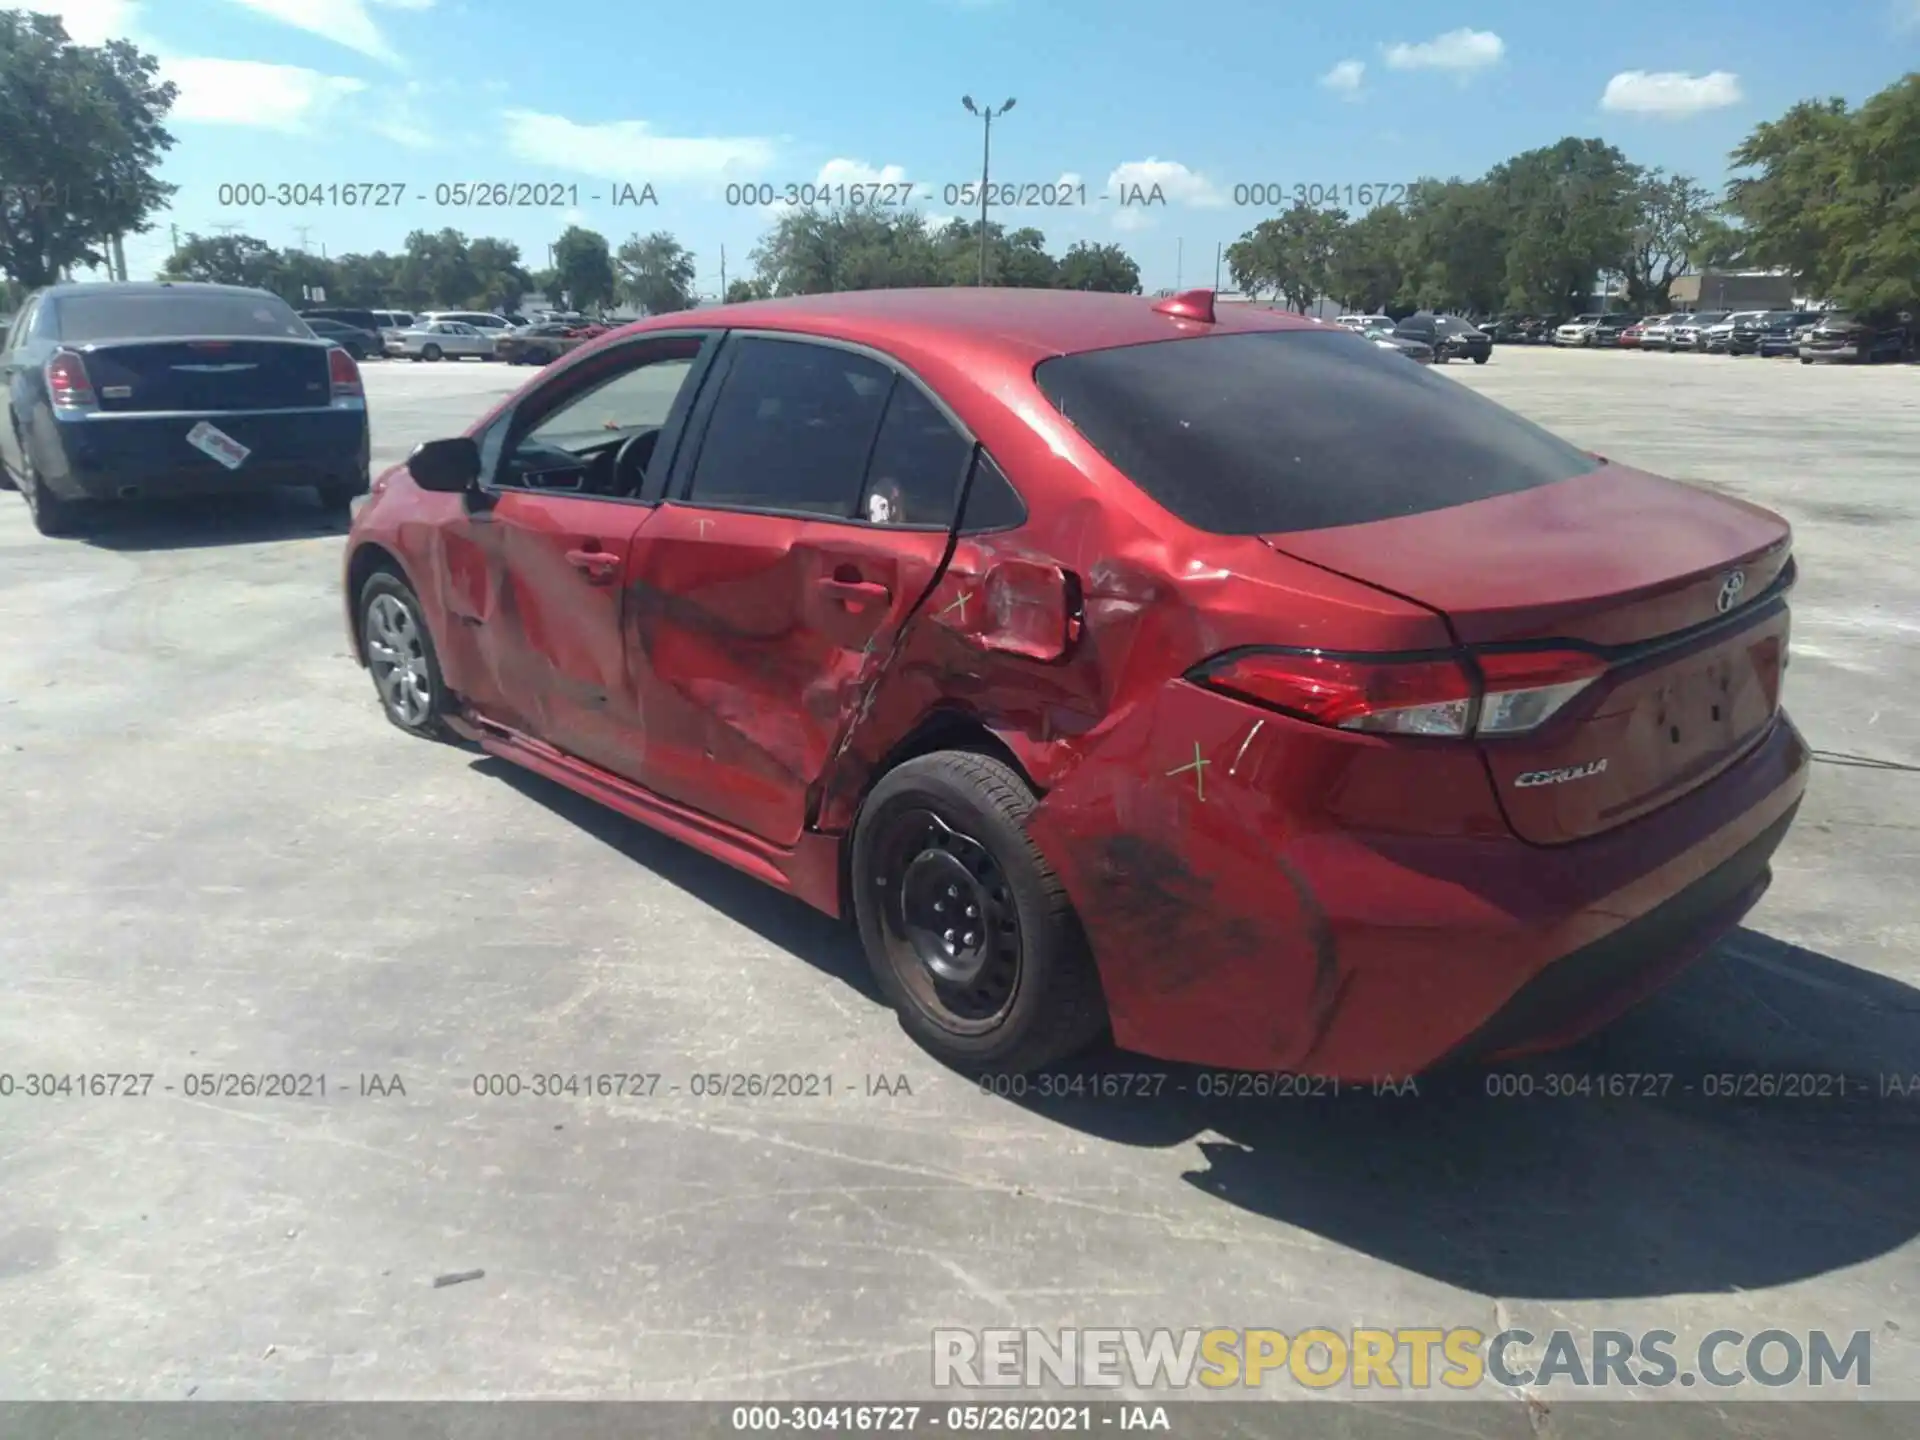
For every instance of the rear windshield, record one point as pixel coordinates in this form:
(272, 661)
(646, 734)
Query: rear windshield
(1297, 430)
(153, 316)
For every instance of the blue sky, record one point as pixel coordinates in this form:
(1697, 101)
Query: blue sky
(1196, 98)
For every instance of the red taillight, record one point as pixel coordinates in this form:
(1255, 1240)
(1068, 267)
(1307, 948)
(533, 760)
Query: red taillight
(67, 382)
(1417, 697)
(1512, 693)
(345, 374)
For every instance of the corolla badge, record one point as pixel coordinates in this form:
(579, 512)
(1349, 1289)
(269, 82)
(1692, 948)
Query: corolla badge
(1561, 776)
(1730, 589)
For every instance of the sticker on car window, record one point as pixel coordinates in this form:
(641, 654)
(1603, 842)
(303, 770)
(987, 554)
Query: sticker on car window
(211, 440)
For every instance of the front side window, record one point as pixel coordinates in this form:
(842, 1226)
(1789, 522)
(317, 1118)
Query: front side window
(582, 444)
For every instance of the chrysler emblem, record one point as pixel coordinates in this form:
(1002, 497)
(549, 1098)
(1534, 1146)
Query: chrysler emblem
(1730, 589)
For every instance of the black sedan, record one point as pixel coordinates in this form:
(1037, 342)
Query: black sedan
(351, 338)
(126, 390)
(1860, 340)
(1447, 336)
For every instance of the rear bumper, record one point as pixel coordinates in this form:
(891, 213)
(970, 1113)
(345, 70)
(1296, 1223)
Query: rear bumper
(1259, 920)
(123, 456)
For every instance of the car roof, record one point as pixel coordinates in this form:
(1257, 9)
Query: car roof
(1022, 326)
(152, 287)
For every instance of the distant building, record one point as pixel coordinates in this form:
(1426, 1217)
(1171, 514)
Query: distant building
(1735, 290)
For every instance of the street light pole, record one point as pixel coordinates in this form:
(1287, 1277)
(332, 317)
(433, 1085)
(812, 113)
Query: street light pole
(988, 115)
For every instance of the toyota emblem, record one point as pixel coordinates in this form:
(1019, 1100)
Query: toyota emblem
(1730, 589)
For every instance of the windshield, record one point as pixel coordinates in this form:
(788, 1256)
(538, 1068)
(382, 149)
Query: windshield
(161, 314)
(1297, 430)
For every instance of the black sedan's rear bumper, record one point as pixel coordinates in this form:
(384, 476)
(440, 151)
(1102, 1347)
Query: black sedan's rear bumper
(136, 456)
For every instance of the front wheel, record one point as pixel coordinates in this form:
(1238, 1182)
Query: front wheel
(399, 652)
(430, 352)
(1481, 359)
(968, 930)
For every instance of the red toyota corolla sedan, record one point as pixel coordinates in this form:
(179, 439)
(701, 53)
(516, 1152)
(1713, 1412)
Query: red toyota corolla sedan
(1212, 676)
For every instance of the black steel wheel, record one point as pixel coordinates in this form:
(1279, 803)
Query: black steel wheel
(968, 930)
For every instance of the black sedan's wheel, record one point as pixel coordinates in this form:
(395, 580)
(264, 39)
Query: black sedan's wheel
(400, 656)
(967, 928)
(1481, 359)
(52, 515)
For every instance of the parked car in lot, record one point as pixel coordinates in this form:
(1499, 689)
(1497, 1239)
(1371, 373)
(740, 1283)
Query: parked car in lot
(356, 342)
(1690, 333)
(1360, 324)
(1630, 337)
(1658, 334)
(1844, 337)
(1717, 338)
(116, 391)
(1412, 348)
(1460, 340)
(1608, 329)
(1577, 331)
(389, 323)
(539, 344)
(444, 340)
(1750, 333)
(484, 321)
(1784, 340)
(358, 319)
(1115, 663)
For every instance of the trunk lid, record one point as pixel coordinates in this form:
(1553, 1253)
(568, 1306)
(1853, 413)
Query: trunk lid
(1682, 592)
(137, 376)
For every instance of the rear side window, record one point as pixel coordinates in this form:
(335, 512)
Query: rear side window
(917, 465)
(792, 429)
(1297, 430)
(161, 314)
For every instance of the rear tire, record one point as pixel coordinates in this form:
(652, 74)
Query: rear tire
(430, 352)
(947, 833)
(398, 648)
(52, 516)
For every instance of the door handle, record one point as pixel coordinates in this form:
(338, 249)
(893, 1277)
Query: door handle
(856, 594)
(598, 566)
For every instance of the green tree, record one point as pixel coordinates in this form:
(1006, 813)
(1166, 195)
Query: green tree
(499, 277)
(1571, 209)
(1368, 271)
(1672, 221)
(296, 272)
(1453, 249)
(1290, 255)
(1834, 197)
(81, 133)
(583, 267)
(809, 252)
(740, 291)
(371, 280)
(225, 260)
(656, 273)
(1098, 267)
(435, 270)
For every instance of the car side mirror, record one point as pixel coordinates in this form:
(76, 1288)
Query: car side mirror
(449, 467)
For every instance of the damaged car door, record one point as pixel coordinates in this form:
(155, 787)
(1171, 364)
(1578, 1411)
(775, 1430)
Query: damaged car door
(807, 519)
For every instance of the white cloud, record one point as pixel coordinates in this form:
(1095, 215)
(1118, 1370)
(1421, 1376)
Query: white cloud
(249, 92)
(1671, 94)
(1463, 51)
(858, 172)
(345, 22)
(92, 22)
(1344, 78)
(1177, 183)
(630, 150)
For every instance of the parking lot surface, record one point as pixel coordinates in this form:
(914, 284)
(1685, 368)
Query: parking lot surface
(218, 857)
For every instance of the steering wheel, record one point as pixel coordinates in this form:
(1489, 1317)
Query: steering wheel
(630, 462)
